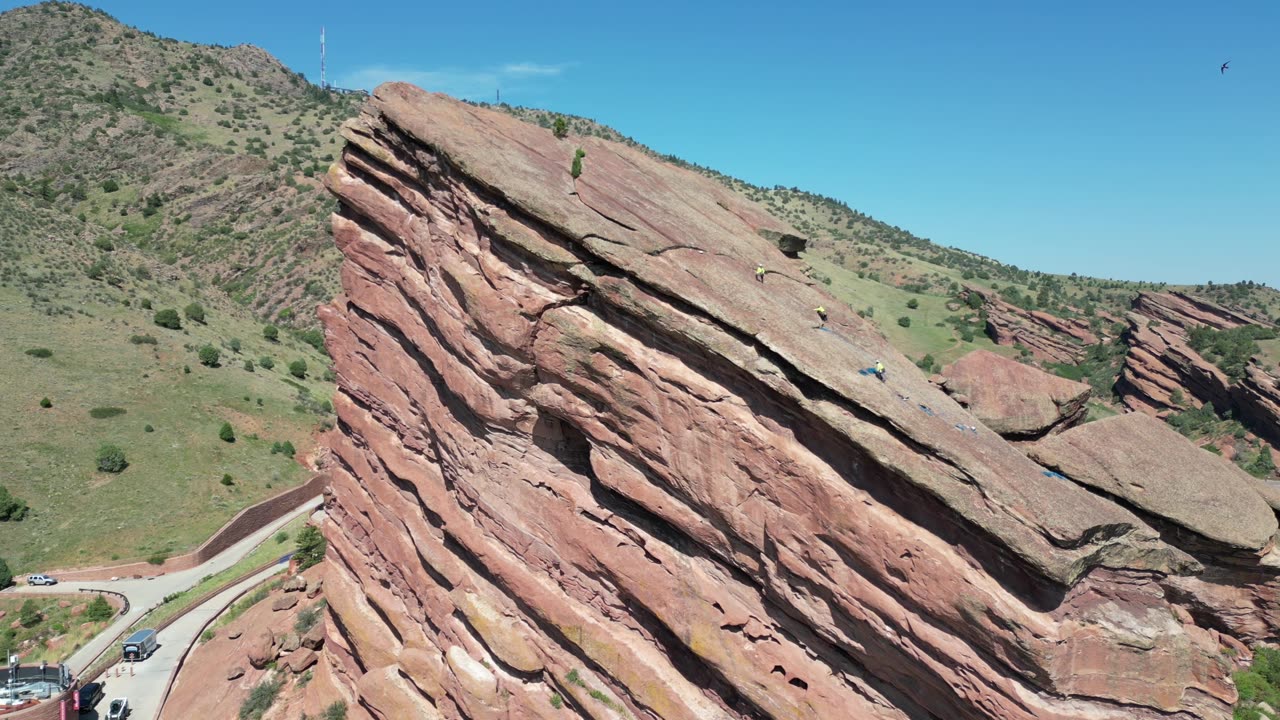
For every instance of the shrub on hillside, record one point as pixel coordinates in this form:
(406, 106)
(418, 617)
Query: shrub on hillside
(266, 362)
(110, 186)
(158, 558)
(226, 433)
(560, 128)
(99, 610)
(146, 304)
(336, 711)
(913, 303)
(298, 369)
(313, 337)
(271, 332)
(148, 428)
(261, 697)
(248, 365)
(1261, 467)
(576, 169)
(40, 352)
(142, 339)
(904, 321)
(30, 615)
(283, 448)
(209, 356)
(102, 413)
(311, 546)
(111, 459)
(194, 312)
(46, 403)
(103, 243)
(6, 575)
(227, 480)
(11, 508)
(234, 344)
(168, 318)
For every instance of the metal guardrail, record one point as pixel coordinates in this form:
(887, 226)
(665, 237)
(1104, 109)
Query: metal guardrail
(124, 610)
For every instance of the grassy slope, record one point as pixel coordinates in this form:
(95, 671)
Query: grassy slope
(170, 498)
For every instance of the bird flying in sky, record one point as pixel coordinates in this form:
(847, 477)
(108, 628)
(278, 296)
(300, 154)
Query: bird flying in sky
(1223, 70)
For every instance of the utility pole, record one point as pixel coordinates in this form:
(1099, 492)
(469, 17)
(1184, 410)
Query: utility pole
(323, 82)
(499, 98)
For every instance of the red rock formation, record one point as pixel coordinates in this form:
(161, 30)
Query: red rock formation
(1160, 362)
(1202, 503)
(1048, 337)
(1184, 311)
(585, 458)
(1016, 400)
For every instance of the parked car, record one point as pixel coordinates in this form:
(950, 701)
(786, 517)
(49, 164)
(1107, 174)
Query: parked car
(90, 695)
(41, 580)
(119, 709)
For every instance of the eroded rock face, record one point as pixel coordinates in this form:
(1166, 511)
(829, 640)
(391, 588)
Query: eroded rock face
(1016, 400)
(582, 453)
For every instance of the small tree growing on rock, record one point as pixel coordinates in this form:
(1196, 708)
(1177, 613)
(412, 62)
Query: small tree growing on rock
(576, 169)
(311, 547)
(560, 128)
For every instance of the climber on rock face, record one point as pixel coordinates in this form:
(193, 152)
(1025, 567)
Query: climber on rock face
(880, 370)
(760, 272)
(822, 314)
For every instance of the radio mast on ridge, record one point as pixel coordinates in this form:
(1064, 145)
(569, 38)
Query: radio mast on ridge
(323, 82)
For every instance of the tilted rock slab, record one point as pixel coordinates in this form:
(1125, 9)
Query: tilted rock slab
(583, 457)
(1201, 502)
(1016, 400)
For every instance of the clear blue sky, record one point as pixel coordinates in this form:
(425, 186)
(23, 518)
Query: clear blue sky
(1089, 136)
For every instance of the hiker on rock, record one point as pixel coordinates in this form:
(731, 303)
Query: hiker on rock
(822, 315)
(760, 272)
(880, 370)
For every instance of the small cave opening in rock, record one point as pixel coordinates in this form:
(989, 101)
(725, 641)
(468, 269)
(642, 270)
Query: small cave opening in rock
(564, 442)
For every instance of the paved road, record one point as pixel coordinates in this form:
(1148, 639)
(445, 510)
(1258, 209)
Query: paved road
(146, 686)
(146, 593)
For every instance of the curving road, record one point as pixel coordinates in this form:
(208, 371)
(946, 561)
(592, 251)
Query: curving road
(146, 593)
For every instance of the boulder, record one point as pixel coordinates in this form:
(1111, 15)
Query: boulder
(233, 634)
(289, 643)
(317, 587)
(1016, 400)
(314, 639)
(78, 610)
(285, 602)
(297, 583)
(298, 660)
(262, 651)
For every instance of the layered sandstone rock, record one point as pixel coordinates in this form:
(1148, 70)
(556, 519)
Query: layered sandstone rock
(1048, 337)
(1016, 400)
(587, 466)
(1200, 502)
(1162, 373)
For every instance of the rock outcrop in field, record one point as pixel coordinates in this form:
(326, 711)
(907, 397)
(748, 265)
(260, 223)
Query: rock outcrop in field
(588, 466)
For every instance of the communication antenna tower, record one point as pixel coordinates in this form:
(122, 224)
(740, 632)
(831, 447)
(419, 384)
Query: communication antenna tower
(323, 82)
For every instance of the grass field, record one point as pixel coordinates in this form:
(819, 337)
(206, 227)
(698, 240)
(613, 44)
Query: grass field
(888, 303)
(171, 497)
